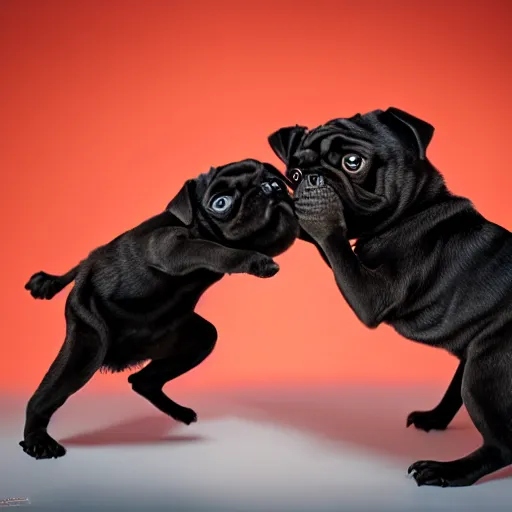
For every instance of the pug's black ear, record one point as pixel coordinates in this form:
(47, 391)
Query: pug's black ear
(410, 129)
(182, 206)
(285, 141)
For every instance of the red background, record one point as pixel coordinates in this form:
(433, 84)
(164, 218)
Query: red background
(108, 106)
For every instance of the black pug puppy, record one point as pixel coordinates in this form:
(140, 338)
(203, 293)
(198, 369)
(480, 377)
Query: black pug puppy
(425, 262)
(133, 299)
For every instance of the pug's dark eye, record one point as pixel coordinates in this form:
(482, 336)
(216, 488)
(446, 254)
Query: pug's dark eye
(221, 204)
(352, 162)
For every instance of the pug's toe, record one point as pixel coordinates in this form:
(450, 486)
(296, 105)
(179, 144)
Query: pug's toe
(43, 286)
(441, 474)
(264, 268)
(427, 420)
(42, 446)
(184, 415)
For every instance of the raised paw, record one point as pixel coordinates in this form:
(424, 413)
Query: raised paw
(427, 420)
(440, 474)
(43, 286)
(42, 446)
(319, 212)
(183, 414)
(265, 267)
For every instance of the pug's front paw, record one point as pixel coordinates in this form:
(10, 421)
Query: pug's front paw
(263, 267)
(319, 211)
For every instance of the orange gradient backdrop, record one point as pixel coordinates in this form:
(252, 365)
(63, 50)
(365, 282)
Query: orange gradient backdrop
(108, 106)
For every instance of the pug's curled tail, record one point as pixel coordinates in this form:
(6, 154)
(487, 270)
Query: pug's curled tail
(46, 286)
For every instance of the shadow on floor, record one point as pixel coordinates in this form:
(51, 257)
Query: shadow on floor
(374, 423)
(145, 430)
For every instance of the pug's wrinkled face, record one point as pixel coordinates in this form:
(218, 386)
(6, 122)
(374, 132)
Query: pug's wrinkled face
(374, 164)
(245, 205)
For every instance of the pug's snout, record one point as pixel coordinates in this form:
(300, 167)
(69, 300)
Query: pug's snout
(312, 186)
(314, 181)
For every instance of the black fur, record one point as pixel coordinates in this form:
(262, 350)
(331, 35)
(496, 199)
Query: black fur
(133, 299)
(425, 262)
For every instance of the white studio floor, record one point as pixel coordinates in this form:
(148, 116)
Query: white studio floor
(316, 450)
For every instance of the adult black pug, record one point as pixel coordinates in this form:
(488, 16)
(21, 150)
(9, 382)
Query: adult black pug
(425, 262)
(133, 299)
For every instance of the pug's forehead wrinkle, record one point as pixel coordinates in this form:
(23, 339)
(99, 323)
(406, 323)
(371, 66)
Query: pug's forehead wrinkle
(253, 169)
(358, 125)
(304, 157)
(314, 135)
(347, 143)
(271, 171)
(390, 141)
(239, 175)
(202, 183)
(347, 132)
(351, 123)
(243, 168)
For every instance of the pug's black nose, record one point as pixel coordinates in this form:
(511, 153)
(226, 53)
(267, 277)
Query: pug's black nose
(314, 180)
(272, 187)
(267, 189)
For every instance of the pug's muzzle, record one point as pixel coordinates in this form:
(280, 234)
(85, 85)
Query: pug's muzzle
(318, 207)
(313, 193)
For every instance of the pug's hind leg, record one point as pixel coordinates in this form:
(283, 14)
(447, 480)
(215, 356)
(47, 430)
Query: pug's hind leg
(194, 342)
(440, 416)
(79, 358)
(487, 395)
